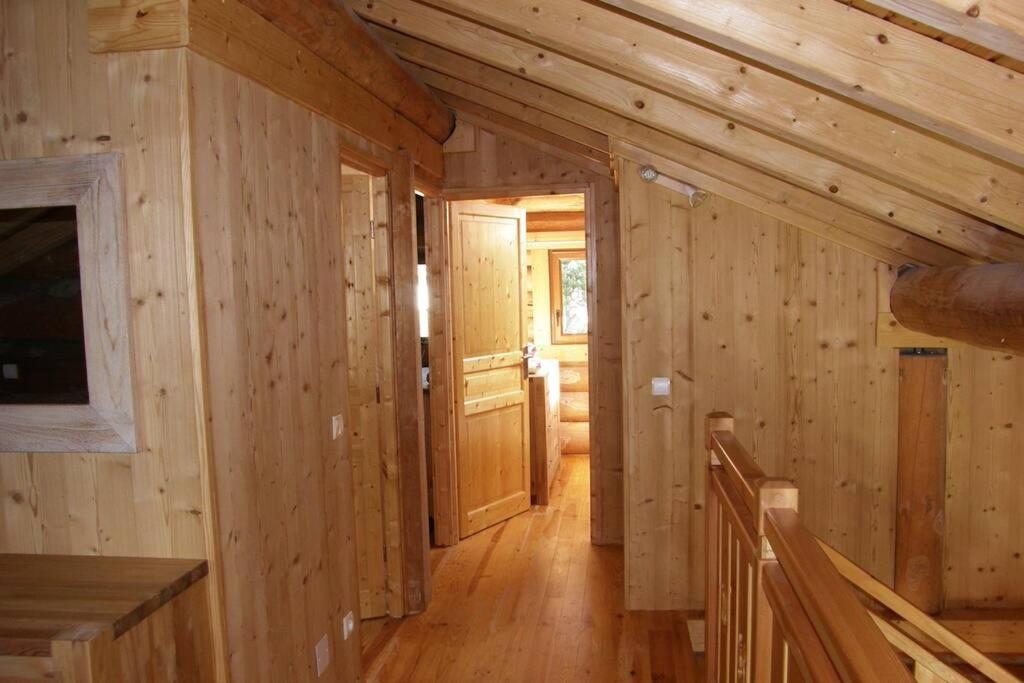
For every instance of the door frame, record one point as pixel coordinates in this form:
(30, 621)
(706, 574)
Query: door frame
(443, 443)
(409, 585)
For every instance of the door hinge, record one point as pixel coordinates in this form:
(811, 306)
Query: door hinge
(378, 393)
(373, 230)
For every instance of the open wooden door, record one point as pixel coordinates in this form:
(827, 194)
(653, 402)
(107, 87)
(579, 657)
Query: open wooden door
(488, 286)
(371, 419)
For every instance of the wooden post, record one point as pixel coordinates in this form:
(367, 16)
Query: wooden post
(921, 478)
(412, 461)
(716, 422)
(712, 532)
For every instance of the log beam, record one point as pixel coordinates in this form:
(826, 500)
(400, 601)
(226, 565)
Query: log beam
(332, 32)
(981, 305)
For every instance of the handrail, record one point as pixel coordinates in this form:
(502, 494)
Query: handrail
(773, 598)
(871, 586)
(856, 647)
(797, 627)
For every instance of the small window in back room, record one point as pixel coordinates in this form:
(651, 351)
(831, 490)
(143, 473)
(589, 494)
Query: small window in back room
(42, 339)
(569, 322)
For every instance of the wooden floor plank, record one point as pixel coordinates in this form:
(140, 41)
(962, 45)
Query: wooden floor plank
(532, 600)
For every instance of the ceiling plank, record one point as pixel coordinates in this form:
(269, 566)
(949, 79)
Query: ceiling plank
(879, 64)
(828, 125)
(331, 31)
(796, 165)
(739, 194)
(594, 139)
(826, 217)
(994, 24)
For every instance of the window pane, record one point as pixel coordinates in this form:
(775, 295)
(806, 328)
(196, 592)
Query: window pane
(42, 338)
(574, 296)
(423, 299)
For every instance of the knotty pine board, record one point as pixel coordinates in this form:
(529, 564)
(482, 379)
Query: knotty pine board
(751, 316)
(267, 197)
(61, 100)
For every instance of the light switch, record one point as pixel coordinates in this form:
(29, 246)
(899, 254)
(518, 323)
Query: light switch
(10, 371)
(661, 386)
(337, 424)
(323, 655)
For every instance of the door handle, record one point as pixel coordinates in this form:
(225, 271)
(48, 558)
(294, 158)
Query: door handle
(529, 351)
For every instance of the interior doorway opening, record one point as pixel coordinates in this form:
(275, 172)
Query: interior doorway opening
(518, 360)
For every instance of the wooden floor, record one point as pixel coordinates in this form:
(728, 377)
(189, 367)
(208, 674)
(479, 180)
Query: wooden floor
(532, 600)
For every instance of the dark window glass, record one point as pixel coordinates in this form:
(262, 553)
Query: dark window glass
(42, 342)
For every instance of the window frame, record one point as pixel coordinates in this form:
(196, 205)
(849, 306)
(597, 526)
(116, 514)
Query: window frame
(92, 183)
(555, 257)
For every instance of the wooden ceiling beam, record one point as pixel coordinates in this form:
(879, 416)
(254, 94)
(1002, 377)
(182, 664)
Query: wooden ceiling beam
(859, 56)
(798, 166)
(332, 32)
(997, 25)
(555, 221)
(806, 116)
(981, 305)
(542, 140)
(762, 191)
(484, 115)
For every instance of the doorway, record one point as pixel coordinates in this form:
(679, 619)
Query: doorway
(372, 420)
(512, 273)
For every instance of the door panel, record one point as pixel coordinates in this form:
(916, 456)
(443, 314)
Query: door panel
(488, 282)
(371, 420)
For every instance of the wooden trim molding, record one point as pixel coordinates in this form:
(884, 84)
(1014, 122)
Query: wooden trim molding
(93, 185)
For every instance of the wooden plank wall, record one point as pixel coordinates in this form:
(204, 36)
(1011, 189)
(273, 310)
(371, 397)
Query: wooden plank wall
(267, 197)
(752, 316)
(499, 161)
(984, 543)
(57, 99)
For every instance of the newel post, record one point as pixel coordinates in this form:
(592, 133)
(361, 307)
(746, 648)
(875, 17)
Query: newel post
(716, 422)
(713, 596)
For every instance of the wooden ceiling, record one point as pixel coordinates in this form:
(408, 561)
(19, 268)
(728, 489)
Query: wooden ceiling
(860, 122)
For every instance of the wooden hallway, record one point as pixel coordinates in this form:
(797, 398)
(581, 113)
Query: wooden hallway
(531, 599)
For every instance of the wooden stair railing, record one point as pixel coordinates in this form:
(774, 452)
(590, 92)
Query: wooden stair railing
(777, 610)
(927, 666)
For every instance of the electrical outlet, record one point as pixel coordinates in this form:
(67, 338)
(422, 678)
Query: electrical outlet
(348, 625)
(337, 424)
(323, 655)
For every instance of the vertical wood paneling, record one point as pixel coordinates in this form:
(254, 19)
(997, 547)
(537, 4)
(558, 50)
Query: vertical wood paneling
(267, 196)
(657, 291)
(500, 162)
(984, 541)
(784, 339)
(58, 100)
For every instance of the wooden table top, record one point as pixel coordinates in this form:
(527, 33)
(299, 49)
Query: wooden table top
(65, 597)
